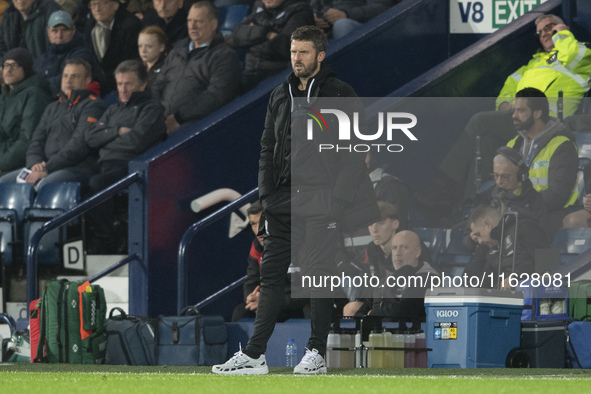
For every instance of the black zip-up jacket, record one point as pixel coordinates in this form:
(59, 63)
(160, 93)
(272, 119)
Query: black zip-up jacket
(264, 54)
(143, 114)
(328, 176)
(194, 85)
(59, 138)
(530, 236)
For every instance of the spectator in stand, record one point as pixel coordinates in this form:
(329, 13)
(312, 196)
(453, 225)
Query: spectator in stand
(201, 74)
(562, 64)
(292, 308)
(111, 35)
(266, 33)
(23, 25)
(486, 224)
(125, 131)
(153, 47)
(170, 16)
(64, 43)
(404, 301)
(57, 152)
(340, 17)
(22, 102)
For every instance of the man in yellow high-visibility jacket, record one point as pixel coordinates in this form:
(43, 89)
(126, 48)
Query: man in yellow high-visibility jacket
(562, 64)
(550, 152)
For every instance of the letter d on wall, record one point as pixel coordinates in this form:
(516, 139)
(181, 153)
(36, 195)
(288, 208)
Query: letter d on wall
(73, 253)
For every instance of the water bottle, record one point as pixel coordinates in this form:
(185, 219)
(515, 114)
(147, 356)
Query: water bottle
(409, 345)
(333, 357)
(420, 355)
(388, 359)
(347, 358)
(291, 354)
(376, 339)
(398, 341)
(358, 351)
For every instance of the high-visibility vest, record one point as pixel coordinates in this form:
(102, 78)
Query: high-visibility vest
(538, 168)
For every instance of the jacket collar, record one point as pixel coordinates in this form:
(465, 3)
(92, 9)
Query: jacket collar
(136, 98)
(75, 96)
(313, 86)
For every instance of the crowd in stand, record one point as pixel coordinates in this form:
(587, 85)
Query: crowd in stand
(88, 86)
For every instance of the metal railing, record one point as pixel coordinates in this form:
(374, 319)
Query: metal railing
(60, 220)
(188, 237)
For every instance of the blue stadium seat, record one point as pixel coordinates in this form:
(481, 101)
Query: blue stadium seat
(571, 242)
(455, 257)
(14, 199)
(434, 238)
(583, 143)
(230, 15)
(53, 199)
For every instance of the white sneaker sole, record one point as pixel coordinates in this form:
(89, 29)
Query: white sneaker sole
(243, 371)
(317, 372)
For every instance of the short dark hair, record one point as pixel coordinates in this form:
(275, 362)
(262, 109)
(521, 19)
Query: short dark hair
(255, 208)
(83, 63)
(388, 211)
(133, 66)
(212, 10)
(481, 212)
(536, 101)
(311, 33)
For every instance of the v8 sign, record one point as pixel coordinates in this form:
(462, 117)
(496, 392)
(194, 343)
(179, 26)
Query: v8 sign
(486, 16)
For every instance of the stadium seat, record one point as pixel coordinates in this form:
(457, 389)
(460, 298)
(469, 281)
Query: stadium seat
(52, 200)
(230, 15)
(434, 238)
(14, 199)
(455, 257)
(572, 242)
(583, 143)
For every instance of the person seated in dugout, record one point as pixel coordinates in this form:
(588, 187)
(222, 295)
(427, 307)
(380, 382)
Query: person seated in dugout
(291, 307)
(509, 240)
(376, 260)
(405, 282)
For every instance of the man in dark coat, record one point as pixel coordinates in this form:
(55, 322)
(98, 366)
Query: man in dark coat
(24, 25)
(22, 102)
(64, 43)
(265, 33)
(201, 74)
(171, 16)
(111, 35)
(125, 131)
(498, 244)
(57, 152)
(306, 196)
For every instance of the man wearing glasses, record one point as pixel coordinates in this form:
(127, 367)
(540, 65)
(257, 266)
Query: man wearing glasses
(112, 36)
(23, 100)
(563, 63)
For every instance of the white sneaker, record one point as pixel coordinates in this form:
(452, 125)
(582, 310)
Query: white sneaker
(311, 364)
(241, 364)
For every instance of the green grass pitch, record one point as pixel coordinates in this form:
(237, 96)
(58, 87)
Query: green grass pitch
(63, 378)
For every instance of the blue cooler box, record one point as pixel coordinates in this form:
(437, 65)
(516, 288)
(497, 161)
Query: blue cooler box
(472, 328)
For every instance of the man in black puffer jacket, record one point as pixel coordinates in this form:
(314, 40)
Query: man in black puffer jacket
(201, 74)
(266, 33)
(125, 131)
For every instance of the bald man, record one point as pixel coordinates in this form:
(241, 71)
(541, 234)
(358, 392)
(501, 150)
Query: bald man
(403, 292)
